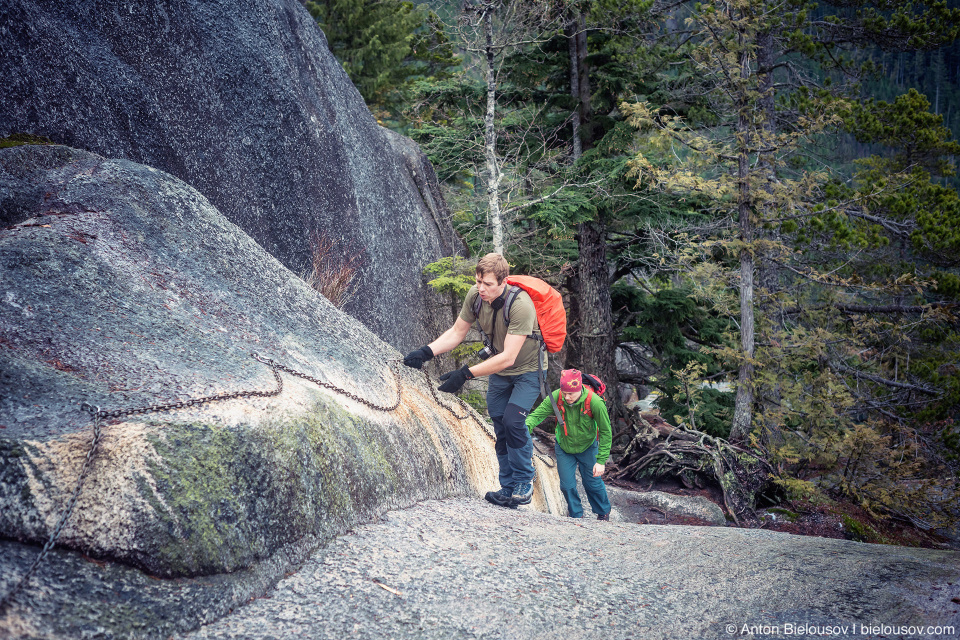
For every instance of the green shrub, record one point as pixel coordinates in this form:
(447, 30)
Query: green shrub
(18, 139)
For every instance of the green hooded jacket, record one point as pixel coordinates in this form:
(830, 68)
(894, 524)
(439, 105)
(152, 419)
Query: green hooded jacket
(578, 431)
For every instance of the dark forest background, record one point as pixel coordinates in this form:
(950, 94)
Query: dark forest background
(750, 206)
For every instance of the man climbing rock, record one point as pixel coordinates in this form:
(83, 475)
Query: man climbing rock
(511, 364)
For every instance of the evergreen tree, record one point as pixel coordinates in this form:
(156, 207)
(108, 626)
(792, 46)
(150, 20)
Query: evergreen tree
(570, 201)
(804, 362)
(383, 45)
(491, 135)
(590, 63)
(852, 273)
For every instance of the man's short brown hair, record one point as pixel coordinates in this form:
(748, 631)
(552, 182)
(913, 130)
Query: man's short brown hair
(493, 263)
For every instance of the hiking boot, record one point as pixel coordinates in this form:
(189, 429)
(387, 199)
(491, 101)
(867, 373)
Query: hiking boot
(605, 516)
(500, 498)
(522, 493)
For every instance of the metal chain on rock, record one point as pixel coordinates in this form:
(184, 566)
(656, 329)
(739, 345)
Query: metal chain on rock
(463, 405)
(396, 403)
(99, 415)
(483, 425)
(193, 402)
(97, 433)
(275, 367)
(326, 385)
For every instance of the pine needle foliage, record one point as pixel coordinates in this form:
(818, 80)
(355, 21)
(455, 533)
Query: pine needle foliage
(830, 278)
(384, 46)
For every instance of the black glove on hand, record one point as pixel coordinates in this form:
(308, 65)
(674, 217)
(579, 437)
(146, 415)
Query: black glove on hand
(455, 379)
(416, 358)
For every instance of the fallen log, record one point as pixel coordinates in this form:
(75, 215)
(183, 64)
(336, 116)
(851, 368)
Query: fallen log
(659, 450)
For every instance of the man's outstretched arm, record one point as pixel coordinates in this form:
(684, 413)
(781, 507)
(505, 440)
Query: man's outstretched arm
(450, 338)
(454, 380)
(447, 341)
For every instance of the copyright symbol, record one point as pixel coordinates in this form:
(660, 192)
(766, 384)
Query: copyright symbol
(731, 629)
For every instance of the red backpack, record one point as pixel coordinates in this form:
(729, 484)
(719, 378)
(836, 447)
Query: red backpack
(551, 316)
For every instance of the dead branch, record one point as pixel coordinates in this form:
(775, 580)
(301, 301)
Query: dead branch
(658, 449)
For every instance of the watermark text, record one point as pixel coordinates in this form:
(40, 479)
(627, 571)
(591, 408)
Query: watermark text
(810, 630)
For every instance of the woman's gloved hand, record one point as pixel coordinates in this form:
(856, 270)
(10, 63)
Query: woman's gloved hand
(416, 358)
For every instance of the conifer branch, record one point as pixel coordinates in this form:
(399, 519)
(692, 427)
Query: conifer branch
(842, 368)
(863, 308)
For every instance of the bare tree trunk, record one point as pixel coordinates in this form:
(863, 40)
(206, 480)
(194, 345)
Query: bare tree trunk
(573, 28)
(767, 279)
(743, 406)
(490, 137)
(593, 346)
(595, 343)
(583, 72)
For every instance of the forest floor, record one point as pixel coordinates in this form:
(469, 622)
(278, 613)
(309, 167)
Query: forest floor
(838, 519)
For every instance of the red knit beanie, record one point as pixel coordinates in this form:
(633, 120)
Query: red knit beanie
(570, 381)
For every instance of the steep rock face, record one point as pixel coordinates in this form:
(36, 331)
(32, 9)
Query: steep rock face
(123, 287)
(243, 101)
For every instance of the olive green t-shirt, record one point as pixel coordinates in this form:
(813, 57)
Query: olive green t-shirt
(523, 322)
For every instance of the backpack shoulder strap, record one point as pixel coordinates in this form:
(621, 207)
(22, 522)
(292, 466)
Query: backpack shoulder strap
(563, 412)
(588, 409)
(487, 340)
(508, 302)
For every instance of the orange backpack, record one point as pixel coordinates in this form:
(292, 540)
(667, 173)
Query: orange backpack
(551, 316)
